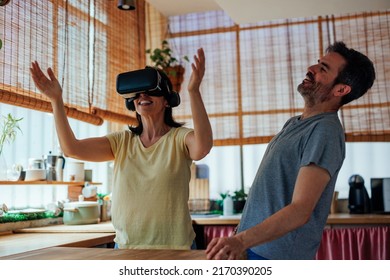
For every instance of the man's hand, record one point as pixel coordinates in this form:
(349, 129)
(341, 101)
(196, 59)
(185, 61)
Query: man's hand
(225, 248)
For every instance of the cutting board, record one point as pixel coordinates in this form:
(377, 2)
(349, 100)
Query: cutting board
(92, 228)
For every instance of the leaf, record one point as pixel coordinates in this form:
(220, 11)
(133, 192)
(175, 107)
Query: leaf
(162, 57)
(9, 130)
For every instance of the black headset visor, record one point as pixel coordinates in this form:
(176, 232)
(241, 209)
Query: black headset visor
(131, 84)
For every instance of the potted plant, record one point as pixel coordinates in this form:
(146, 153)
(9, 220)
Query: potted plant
(163, 59)
(239, 200)
(9, 129)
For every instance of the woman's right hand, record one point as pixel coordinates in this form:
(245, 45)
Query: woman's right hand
(49, 87)
(84, 149)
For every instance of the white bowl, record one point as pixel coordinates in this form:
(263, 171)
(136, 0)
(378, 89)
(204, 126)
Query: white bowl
(35, 175)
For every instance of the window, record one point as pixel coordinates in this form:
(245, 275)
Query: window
(37, 139)
(82, 41)
(249, 88)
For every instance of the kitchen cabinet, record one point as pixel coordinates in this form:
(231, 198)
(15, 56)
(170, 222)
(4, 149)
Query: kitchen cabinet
(345, 237)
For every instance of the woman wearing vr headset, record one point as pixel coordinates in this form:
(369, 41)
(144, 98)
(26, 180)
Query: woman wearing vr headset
(151, 161)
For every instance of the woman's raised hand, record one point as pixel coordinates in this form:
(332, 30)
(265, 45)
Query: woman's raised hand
(198, 69)
(48, 86)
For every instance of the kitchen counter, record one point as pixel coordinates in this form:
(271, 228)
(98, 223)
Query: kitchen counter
(14, 243)
(104, 227)
(30, 239)
(217, 220)
(333, 219)
(63, 253)
(358, 219)
(107, 227)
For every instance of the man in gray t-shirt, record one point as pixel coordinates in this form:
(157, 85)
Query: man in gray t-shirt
(290, 197)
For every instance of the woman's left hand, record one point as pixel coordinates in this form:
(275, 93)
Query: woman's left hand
(198, 69)
(200, 141)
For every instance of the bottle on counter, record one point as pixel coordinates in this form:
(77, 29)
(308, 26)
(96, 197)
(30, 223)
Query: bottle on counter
(228, 206)
(60, 166)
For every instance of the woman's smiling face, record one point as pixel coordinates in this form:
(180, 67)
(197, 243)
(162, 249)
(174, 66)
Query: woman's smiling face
(145, 103)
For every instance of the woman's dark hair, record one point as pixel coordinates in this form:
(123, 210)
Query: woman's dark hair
(168, 117)
(358, 73)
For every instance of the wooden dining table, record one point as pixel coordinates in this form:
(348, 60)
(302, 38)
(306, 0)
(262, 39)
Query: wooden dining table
(77, 253)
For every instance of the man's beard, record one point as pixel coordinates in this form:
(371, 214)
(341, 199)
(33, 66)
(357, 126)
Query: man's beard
(314, 93)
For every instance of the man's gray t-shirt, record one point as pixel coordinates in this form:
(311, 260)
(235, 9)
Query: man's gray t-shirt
(319, 140)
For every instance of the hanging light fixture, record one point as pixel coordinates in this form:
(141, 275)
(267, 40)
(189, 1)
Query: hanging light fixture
(126, 5)
(4, 2)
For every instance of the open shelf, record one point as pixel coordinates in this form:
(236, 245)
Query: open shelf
(46, 183)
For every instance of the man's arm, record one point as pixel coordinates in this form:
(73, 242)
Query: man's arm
(310, 184)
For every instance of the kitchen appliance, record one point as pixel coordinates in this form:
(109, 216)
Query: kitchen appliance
(60, 167)
(358, 200)
(36, 163)
(81, 213)
(380, 195)
(35, 175)
(51, 163)
(76, 171)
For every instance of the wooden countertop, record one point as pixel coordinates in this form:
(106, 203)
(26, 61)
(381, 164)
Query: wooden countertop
(358, 219)
(104, 227)
(219, 220)
(64, 253)
(333, 219)
(107, 227)
(14, 243)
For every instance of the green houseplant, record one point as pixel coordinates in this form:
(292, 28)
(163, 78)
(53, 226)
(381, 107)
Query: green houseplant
(239, 200)
(9, 129)
(163, 58)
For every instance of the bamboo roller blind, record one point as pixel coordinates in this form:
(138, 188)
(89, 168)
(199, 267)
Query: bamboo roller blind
(87, 43)
(252, 71)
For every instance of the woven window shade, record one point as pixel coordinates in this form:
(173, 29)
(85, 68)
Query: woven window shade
(368, 118)
(253, 70)
(87, 43)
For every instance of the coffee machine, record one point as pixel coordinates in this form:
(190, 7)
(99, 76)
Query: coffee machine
(380, 195)
(358, 200)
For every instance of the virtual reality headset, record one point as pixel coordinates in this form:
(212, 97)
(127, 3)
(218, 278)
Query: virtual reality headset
(148, 80)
